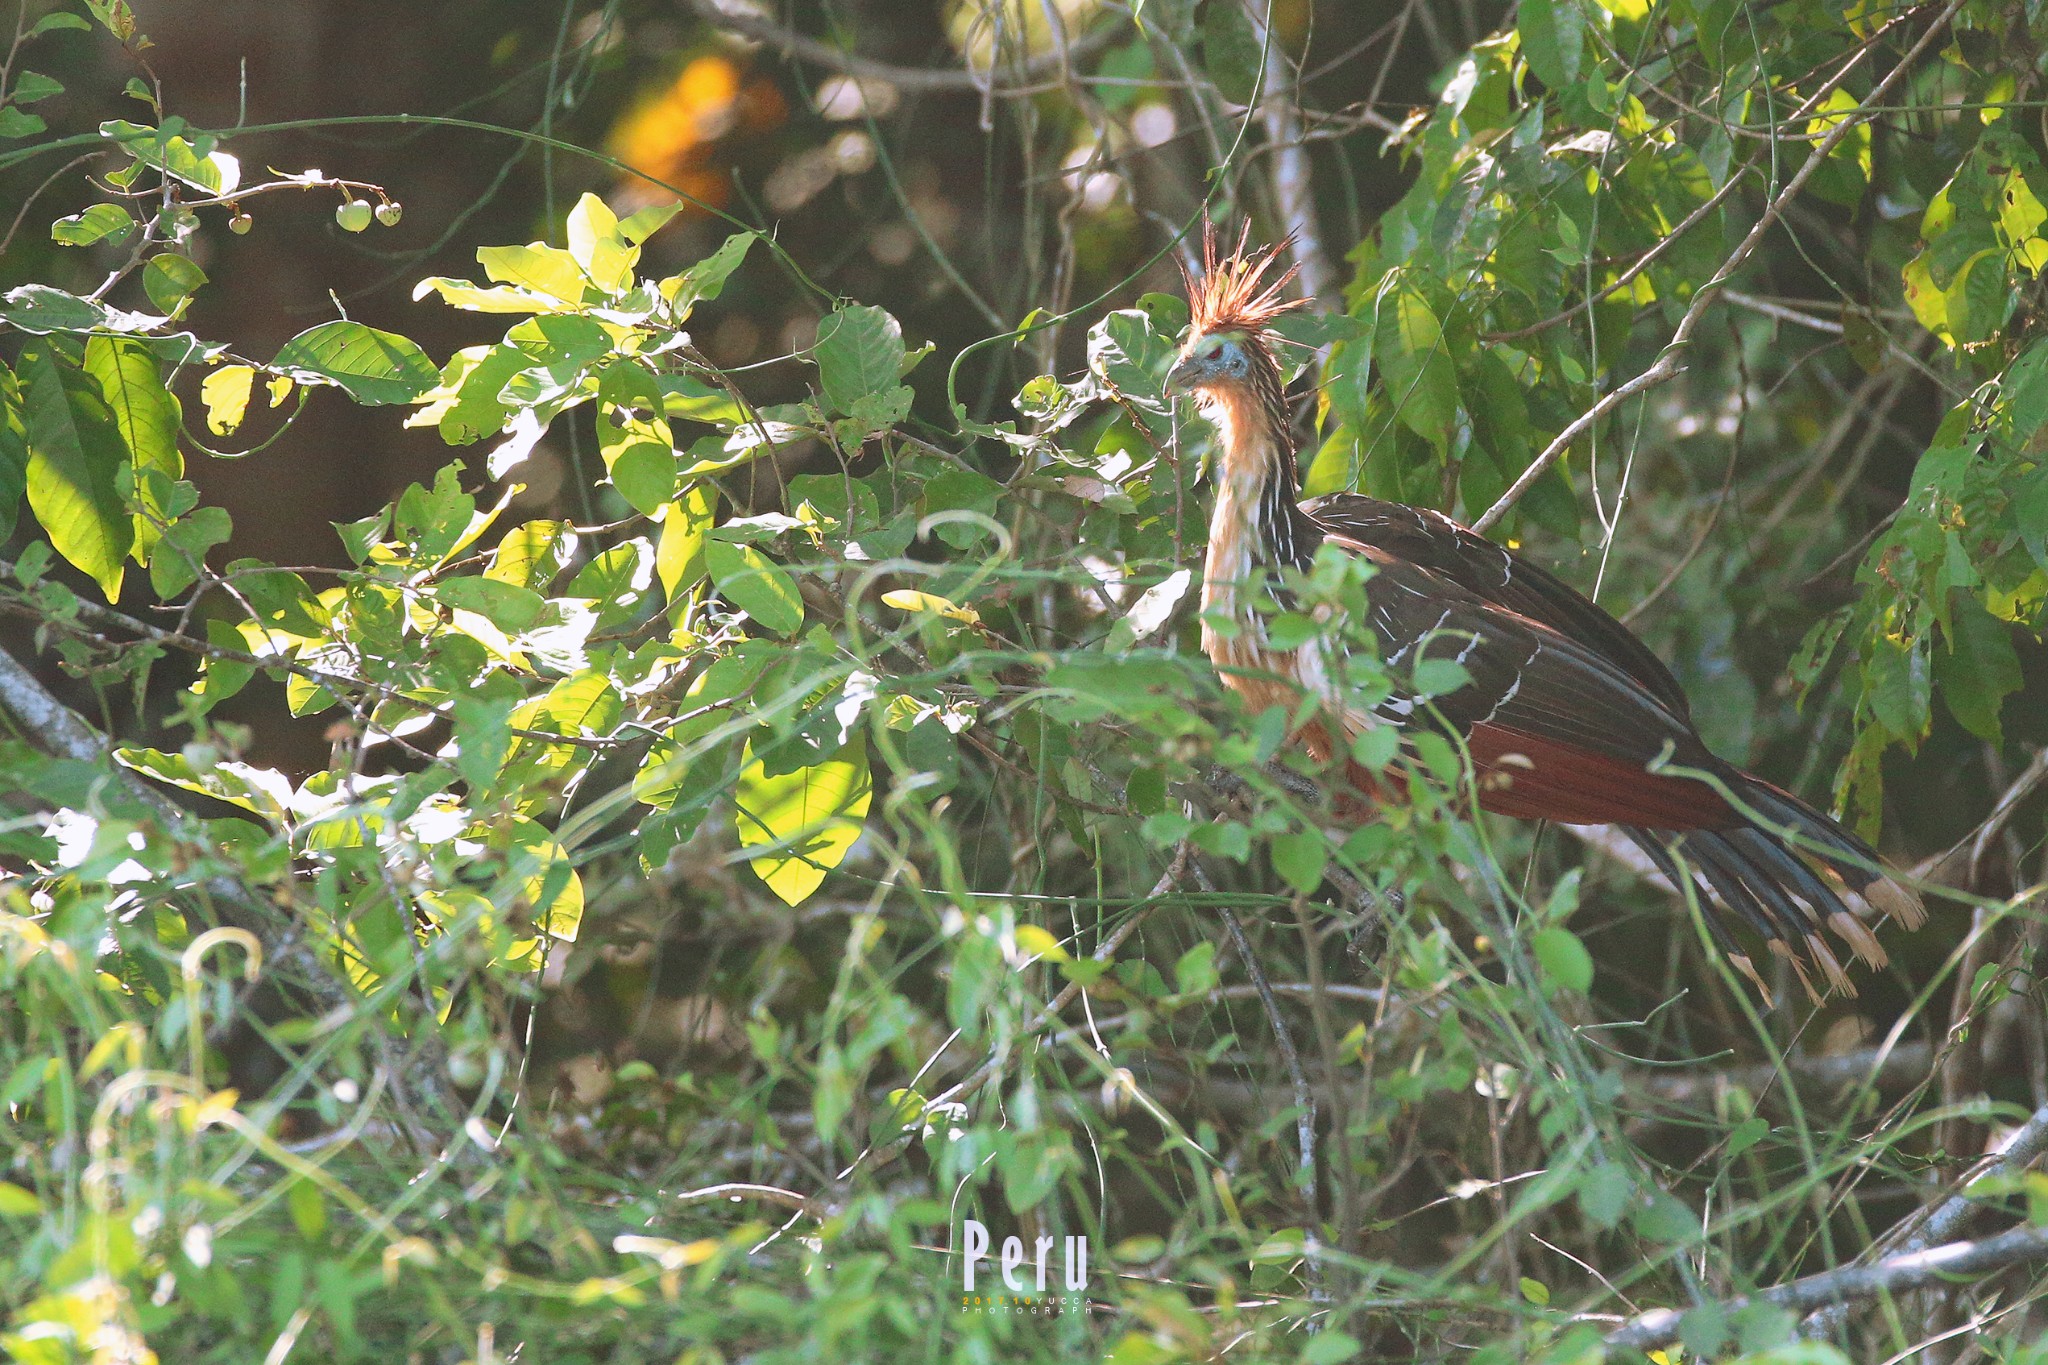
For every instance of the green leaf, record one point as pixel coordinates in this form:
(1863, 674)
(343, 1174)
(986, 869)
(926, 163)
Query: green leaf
(634, 437)
(176, 156)
(1421, 381)
(1300, 859)
(20, 123)
(100, 223)
(1563, 958)
(262, 791)
(1704, 1330)
(859, 352)
(705, 280)
(1976, 300)
(371, 366)
(679, 554)
(57, 19)
(483, 737)
(1231, 51)
(805, 821)
(532, 554)
(1554, 39)
(147, 415)
(1979, 669)
(617, 580)
(13, 452)
(507, 606)
(1663, 1219)
(756, 585)
(1331, 1348)
(478, 298)
(638, 227)
(31, 87)
(75, 455)
(547, 271)
(176, 557)
(548, 883)
(1128, 351)
(1603, 1195)
(169, 280)
(597, 245)
(1895, 681)
(1748, 1134)
(1844, 176)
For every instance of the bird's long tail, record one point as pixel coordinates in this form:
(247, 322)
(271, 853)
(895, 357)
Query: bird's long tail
(1787, 874)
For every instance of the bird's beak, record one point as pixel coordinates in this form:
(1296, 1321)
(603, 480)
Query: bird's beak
(1183, 376)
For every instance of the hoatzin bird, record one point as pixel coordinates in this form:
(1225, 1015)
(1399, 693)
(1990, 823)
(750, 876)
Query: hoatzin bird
(1566, 715)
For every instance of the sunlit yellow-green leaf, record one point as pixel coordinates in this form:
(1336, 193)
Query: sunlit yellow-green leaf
(597, 245)
(679, 554)
(544, 269)
(1923, 296)
(147, 415)
(906, 599)
(804, 822)
(532, 554)
(225, 392)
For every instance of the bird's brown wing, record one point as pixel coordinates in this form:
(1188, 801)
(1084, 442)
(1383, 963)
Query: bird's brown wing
(1556, 731)
(1432, 541)
(1559, 730)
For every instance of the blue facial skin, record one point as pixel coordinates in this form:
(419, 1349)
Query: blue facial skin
(1217, 358)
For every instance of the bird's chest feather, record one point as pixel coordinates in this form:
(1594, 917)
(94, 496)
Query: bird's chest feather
(1250, 666)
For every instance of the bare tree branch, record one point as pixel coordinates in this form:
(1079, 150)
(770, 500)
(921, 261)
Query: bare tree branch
(1304, 1097)
(1892, 1275)
(1953, 1214)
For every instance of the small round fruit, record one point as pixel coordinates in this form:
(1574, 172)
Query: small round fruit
(353, 216)
(240, 224)
(389, 212)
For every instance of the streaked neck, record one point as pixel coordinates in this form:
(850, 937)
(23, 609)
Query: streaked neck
(1256, 522)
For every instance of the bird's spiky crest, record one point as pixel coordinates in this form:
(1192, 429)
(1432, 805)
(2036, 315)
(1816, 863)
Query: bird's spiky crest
(1233, 293)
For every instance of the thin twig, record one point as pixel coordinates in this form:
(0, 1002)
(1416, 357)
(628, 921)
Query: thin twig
(735, 1191)
(1304, 1097)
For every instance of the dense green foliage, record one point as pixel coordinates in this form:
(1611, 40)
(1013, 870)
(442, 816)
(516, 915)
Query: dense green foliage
(875, 705)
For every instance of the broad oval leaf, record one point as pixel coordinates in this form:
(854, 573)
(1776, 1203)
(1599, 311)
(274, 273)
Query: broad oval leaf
(805, 822)
(509, 607)
(859, 352)
(75, 452)
(147, 415)
(755, 584)
(1421, 381)
(371, 366)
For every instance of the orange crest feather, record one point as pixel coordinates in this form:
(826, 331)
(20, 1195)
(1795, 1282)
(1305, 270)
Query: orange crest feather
(1232, 293)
